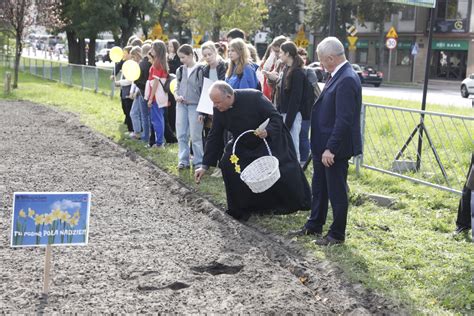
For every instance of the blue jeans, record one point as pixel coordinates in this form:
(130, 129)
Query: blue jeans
(158, 121)
(187, 124)
(140, 115)
(304, 140)
(295, 133)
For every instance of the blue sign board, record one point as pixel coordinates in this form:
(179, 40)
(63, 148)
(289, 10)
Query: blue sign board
(49, 218)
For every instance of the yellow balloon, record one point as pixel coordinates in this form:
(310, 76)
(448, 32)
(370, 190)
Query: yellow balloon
(173, 86)
(131, 70)
(116, 54)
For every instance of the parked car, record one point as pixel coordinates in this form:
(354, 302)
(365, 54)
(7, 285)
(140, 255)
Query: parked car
(319, 70)
(103, 55)
(467, 86)
(368, 74)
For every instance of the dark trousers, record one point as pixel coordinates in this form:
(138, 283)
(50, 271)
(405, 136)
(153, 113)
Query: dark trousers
(304, 140)
(329, 184)
(127, 107)
(464, 209)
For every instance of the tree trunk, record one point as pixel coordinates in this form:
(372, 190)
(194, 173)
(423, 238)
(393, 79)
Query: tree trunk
(18, 50)
(91, 52)
(82, 51)
(381, 46)
(73, 47)
(162, 10)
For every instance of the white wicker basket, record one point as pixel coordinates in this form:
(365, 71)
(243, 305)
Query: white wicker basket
(263, 172)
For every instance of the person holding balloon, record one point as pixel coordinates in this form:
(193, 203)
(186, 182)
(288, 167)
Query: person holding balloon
(125, 86)
(157, 98)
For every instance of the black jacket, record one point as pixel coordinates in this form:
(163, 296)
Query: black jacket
(174, 64)
(144, 71)
(221, 70)
(291, 101)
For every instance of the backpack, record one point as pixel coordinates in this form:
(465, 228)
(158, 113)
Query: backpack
(311, 92)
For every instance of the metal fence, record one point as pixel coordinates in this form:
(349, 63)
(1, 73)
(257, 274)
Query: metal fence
(85, 77)
(425, 147)
(430, 148)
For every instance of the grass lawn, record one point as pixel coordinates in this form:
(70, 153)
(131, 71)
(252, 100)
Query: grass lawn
(405, 251)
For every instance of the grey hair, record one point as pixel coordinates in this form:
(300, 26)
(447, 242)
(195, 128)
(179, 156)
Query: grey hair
(330, 46)
(222, 87)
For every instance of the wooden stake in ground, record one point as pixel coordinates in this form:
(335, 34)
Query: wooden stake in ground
(7, 83)
(47, 270)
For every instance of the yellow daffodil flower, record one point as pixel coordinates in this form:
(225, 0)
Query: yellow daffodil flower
(64, 216)
(73, 221)
(22, 213)
(31, 212)
(48, 220)
(39, 219)
(237, 168)
(56, 214)
(234, 159)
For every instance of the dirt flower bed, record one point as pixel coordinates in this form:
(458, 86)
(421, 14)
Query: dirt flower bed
(154, 245)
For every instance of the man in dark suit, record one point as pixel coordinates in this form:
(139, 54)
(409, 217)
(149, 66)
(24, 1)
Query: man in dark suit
(335, 138)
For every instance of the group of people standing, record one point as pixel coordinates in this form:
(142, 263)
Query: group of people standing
(283, 90)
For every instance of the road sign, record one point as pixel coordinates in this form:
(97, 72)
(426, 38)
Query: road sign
(352, 42)
(352, 30)
(418, 3)
(300, 39)
(302, 42)
(415, 49)
(196, 40)
(391, 43)
(392, 33)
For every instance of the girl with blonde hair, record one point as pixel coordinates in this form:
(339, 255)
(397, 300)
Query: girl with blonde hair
(241, 73)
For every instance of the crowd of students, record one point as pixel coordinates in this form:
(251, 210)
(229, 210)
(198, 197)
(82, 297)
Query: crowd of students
(157, 116)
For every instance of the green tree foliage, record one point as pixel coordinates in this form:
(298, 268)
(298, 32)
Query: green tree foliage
(282, 17)
(85, 19)
(16, 16)
(217, 15)
(129, 13)
(317, 15)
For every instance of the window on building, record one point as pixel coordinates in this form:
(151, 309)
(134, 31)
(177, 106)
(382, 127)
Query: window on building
(408, 13)
(362, 55)
(452, 9)
(403, 57)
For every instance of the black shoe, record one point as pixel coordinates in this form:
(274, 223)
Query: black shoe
(328, 241)
(303, 231)
(460, 229)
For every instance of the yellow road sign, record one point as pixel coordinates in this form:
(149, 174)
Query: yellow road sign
(352, 30)
(196, 40)
(302, 42)
(352, 40)
(392, 33)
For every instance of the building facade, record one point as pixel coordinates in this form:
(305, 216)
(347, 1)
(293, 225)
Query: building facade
(452, 47)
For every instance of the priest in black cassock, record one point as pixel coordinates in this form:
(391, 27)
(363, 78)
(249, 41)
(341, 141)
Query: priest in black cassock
(238, 111)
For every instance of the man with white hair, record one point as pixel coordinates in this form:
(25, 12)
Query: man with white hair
(238, 111)
(335, 138)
